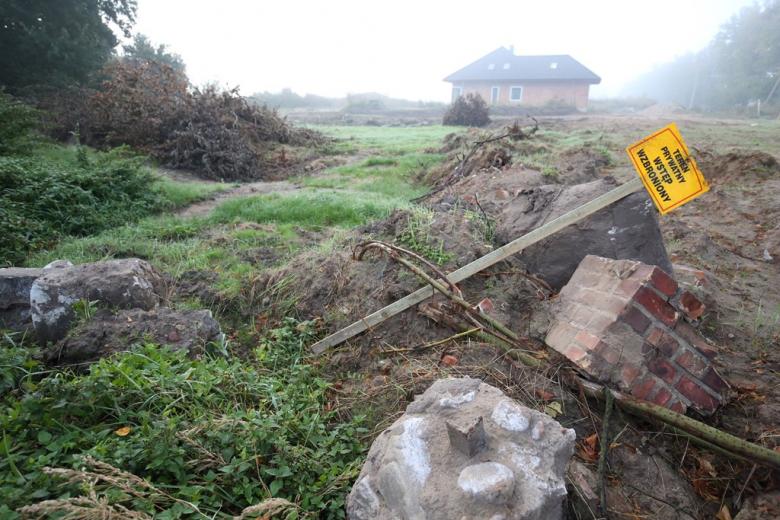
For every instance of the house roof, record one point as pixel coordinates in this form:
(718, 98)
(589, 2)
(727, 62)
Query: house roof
(502, 64)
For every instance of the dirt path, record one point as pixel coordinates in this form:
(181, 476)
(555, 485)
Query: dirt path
(244, 190)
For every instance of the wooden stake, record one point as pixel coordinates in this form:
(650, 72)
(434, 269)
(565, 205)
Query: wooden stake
(480, 264)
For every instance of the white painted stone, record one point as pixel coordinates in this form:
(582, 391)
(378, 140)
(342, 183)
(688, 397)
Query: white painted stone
(489, 481)
(415, 472)
(414, 450)
(453, 402)
(510, 416)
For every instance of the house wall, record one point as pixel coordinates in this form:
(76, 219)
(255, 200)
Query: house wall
(534, 94)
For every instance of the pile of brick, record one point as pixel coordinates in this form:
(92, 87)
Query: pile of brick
(627, 323)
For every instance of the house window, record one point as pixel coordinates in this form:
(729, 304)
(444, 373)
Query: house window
(516, 94)
(491, 66)
(506, 66)
(456, 92)
(554, 65)
(494, 93)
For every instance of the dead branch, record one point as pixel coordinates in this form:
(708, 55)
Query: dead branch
(514, 132)
(467, 310)
(692, 427)
(604, 449)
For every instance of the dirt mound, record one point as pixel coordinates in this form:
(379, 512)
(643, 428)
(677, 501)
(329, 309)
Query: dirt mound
(738, 165)
(342, 290)
(581, 164)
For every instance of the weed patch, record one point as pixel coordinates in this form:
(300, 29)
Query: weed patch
(416, 236)
(217, 435)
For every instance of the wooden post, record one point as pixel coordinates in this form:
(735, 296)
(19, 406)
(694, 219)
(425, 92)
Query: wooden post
(482, 263)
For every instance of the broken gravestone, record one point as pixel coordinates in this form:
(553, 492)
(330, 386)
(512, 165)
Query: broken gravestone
(108, 333)
(463, 449)
(15, 284)
(625, 229)
(124, 284)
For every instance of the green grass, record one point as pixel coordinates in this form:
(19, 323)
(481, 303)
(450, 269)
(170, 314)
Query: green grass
(386, 140)
(391, 176)
(180, 194)
(211, 436)
(313, 208)
(222, 242)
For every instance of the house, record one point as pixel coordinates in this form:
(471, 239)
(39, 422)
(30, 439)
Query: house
(502, 78)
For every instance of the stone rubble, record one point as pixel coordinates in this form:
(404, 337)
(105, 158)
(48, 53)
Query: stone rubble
(464, 450)
(15, 284)
(127, 283)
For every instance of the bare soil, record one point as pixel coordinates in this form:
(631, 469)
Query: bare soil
(724, 247)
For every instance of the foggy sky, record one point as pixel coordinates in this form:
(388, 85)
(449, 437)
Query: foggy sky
(404, 48)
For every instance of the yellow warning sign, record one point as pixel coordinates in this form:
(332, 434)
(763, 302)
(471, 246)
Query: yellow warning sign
(667, 169)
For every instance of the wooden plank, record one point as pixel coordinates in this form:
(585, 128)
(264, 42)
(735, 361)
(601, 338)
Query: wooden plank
(479, 264)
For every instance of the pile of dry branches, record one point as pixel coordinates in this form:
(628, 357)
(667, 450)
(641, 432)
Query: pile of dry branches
(151, 107)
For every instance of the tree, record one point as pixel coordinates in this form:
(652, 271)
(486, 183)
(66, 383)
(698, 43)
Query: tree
(741, 65)
(142, 50)
(58, 42)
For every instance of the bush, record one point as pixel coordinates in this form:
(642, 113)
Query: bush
(18, 126)
(215, 434)
(44, 198)
(217, 134)
(468, 110)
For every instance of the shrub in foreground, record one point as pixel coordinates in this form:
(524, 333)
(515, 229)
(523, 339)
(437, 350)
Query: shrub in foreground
(44, 198)
(216, 435)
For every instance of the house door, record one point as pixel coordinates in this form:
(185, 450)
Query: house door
(494, 93)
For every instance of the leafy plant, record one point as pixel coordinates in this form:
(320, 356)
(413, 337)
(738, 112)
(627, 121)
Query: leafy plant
(42, 199)
(216, 435)
(85, 310)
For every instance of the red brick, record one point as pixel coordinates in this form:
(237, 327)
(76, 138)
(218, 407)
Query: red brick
(642, 272)
(691, 335)
(610, 354)
(635, 319)
(643, 388)
(628, 287)
(698, 396)
(676, 406)
(663, 282)
(592, 263)
(714, 381)
(599, 322)
(628, 374)
(587, 340)
(586, 278)
(574, 353)
(691, 305)
(656, 306)
(693, 363)
(585, 295)
(579, 314)
(612, 304)
(662, 397)
(663, 369)
(561, 336)
(664, 342)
